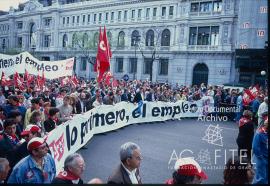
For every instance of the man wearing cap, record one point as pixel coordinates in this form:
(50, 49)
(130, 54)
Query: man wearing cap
(128, 171)
(187, 171)
(21, 151)
(38, 167)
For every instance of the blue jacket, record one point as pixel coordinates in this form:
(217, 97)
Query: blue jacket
(259, 144)
(255, 105)
(26, 171)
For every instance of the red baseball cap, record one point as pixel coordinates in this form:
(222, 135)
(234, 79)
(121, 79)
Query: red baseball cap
(34, 143)
(30, 128)
(189, 167)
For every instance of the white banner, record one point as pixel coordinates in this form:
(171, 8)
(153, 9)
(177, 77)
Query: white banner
(74, 134)
(25, 61)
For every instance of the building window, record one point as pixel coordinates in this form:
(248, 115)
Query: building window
(92, 65)
(217, 6)
(88, 18)
(163, 66)
(19, 42)
(193, 36)
(19, 25)
(47, 22)
(125, 15)
(107, 16)
(133, 14)
(171, 11)
(165, 37)
(194, 7)
(119, 64)
(203, 36)
(147, 14)
(139, 13)
(64, 20)
(135, 37)
(163, 11)
(121, 39)
(112, 16)
(83, 19)
(65, 41)
(83, 63)
(96, 38)
(205, 6)
(154, 12)
(149, 41)
(214, 35)
(78, 19)
(147, 65)
(95, 18)
(67, 20)
(84, 40)
(99, 17)
(47, 40)
(74, 40)
(119, 15)
(132, 65)
(73, 19)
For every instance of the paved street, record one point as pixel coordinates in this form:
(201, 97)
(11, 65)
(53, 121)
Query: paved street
(161, 144)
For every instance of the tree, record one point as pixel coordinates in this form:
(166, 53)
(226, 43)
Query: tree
(149, 46)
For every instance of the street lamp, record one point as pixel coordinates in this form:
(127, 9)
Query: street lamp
(136, 39)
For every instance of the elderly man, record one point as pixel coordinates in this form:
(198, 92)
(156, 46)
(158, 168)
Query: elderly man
(38, 167)
(262, 111)
(4, 169)
(128, 171)
(74, 167)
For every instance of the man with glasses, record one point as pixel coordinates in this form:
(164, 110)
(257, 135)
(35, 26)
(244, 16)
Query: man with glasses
(74, 167)
(128, 171)
(38, 167)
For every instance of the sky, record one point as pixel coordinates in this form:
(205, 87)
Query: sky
(5, 4)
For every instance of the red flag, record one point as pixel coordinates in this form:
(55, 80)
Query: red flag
(115, 83)
(5, 81)
(108, 77)
(64, 81)
(247, 97)
(74, 81)
(102, 62)
(254, 91)
(109, 52)
(18, 81)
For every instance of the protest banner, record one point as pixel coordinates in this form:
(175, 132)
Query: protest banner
(75, 133)
(10, 64)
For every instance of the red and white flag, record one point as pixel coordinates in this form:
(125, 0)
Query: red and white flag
(74, 81)
(5, 81)
(64, 81)
(18, 81)
(108, 76)
(102, 60)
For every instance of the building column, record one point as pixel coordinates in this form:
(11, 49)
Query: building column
(155, 71)
(139, 68)
(125, 65)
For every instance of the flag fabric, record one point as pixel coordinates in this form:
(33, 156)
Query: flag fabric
(64, 81)
(102, 60)
(115, 83)
(109, 52)
(18, 81)
(254, 91)
(74, 81)
(247, 97)
(5, 81)
(108, 76)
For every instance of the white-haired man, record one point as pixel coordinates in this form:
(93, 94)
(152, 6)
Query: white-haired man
(128, 171)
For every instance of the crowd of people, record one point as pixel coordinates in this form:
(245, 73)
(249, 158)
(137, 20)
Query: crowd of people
(27, 116)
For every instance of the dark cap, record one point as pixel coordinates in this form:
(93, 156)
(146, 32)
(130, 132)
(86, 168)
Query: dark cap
(13, 97)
